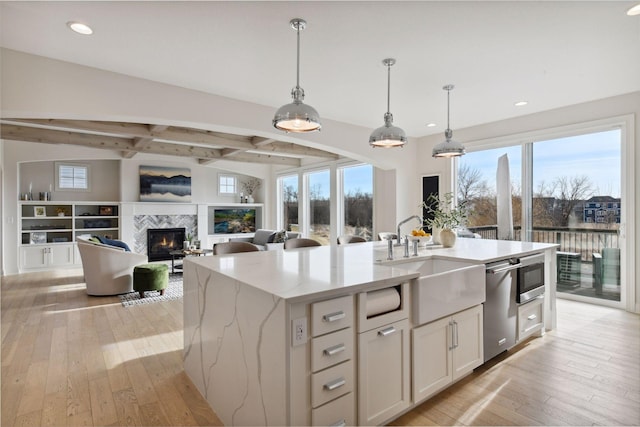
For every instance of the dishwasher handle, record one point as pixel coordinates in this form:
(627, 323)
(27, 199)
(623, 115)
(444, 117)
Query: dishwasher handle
(504, 269)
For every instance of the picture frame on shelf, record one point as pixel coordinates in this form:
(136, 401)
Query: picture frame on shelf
(39, 211)
(105, 210)
(36, 237)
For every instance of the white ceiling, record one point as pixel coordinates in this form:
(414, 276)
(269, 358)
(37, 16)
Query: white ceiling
(549, 53)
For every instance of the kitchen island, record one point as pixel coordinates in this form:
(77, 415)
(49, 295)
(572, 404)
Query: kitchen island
(332, 334)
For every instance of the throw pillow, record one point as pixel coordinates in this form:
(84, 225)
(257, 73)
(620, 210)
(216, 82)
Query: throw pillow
(280, 236)
(116, 243)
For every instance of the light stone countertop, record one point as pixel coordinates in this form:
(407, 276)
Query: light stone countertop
(300, 274)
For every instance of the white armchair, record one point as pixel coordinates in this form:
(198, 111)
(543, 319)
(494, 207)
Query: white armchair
(107, 270)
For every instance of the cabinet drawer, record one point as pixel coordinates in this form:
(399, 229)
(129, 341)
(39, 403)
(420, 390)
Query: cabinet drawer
(530, 317)
(336, 413)
(331, 383)
(331, 315)
(331, 349)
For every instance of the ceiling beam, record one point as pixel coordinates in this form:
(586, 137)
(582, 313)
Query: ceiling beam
(156, 132)
(128, 145)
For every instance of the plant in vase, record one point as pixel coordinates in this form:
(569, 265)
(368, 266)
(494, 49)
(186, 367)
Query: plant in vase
(250, 186)
(61, 211)
(444, 217)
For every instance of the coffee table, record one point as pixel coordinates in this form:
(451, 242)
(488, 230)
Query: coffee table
(181, 253)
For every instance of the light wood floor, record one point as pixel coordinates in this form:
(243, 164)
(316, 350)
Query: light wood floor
(71, 359)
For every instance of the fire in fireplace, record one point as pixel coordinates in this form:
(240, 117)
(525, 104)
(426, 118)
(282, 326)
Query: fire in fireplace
(161, 241)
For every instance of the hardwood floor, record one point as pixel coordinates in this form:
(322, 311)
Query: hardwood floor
(71, 359)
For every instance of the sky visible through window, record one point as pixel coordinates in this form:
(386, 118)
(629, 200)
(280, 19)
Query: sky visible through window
(596, 155)
(356, 178)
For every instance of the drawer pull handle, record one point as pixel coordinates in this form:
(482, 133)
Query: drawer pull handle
(533, 316)
(334, 350)
(335, 384)
(332, 317)
(387, 332)
(341, 423)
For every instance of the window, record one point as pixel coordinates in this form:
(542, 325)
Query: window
(319, 206)
(357, 200)
(324, 203)
(477, 185)
(72, 176)
(570, 194)
(288, 202)
(227, 184)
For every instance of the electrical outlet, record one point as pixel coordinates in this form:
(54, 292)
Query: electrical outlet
(299, 331)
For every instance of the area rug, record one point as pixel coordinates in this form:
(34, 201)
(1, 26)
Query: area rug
(173, 291)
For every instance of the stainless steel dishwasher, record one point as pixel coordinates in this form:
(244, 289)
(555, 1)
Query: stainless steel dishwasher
(500, 307)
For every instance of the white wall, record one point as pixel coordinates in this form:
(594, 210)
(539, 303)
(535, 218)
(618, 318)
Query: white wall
(622, 105)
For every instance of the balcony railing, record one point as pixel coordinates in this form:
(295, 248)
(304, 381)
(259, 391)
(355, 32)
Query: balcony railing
(585, 241)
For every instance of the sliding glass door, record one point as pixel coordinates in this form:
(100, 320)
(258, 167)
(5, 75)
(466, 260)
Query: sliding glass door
(577, 203)
(566, 190)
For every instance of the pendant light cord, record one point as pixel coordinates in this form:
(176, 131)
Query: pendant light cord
(298, 59)
(448, 93)
(389, 88)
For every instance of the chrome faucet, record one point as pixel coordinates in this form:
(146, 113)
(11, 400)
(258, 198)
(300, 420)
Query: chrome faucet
(404, 221)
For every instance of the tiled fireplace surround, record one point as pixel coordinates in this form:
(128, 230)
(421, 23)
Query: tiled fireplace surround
(138, 217)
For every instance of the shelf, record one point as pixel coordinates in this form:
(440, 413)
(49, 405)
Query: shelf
(51, 228)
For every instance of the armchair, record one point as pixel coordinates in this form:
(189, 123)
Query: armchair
(108, 270)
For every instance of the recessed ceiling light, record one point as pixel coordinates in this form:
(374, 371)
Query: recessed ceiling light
(431, 125)
(520, 103)
(80, 28)
(635, 10)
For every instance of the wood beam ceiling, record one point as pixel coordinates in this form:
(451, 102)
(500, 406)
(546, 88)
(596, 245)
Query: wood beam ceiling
(132, 138)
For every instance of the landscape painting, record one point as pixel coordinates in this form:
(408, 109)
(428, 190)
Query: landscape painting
(165, 184)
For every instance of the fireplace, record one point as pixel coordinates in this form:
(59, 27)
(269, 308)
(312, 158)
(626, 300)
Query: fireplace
(161, 241)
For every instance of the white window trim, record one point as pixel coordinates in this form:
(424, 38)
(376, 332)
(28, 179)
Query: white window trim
(58, 165)
(228, 175)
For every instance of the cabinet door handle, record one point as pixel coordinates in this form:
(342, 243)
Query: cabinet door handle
(533, 316)
(386, 332)
(341, 423)
(335, 384)
(455, 326)
(334, 350)
(332, 317)
(453, 339)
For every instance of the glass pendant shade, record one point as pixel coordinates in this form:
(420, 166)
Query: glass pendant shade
(388, 136)
(449, 147)
(297, 116)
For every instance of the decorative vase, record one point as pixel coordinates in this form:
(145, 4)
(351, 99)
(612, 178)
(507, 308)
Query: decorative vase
(186, 244)
(448, 238)
(251, 200)
(435, 235)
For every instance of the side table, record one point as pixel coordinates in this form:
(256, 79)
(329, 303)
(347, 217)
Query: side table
(181, 253)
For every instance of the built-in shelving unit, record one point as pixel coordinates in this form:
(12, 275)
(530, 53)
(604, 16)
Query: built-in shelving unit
(48, 230)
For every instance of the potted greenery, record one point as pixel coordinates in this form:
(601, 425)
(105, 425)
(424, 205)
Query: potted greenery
(444, 217)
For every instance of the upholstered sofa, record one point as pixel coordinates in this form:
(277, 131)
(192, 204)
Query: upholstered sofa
(267, 239)
(108, 270)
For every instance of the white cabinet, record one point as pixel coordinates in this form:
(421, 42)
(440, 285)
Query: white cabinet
(446, 350)
(383, 373)
(48, 231)
(43, 256)
(530, 318)
(332, 366)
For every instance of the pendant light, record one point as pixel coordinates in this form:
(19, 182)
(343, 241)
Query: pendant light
(388, 136)
(449, 147)
(297, 116)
